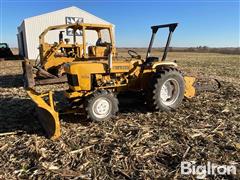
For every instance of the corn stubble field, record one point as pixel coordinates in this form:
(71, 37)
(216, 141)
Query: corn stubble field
(137, 143)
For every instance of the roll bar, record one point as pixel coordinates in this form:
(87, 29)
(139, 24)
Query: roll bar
(171, 27)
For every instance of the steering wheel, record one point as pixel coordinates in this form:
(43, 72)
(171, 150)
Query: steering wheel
(134, 54)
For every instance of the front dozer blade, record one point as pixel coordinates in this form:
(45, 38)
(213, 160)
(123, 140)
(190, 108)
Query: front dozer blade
(46, 113)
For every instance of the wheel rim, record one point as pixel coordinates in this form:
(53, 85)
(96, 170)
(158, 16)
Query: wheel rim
(169, 92)
(101, 107)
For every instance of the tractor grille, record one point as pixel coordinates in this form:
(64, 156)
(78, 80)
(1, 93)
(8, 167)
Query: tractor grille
(72, 79)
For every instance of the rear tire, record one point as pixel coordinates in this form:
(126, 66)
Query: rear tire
(167, 89)
(101, 105)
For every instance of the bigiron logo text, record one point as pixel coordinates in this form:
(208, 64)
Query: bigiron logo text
(202, 171)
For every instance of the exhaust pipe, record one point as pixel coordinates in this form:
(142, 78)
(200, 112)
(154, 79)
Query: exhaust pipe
(110, 56)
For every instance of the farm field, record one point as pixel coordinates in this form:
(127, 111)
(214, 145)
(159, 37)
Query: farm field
(137, 143)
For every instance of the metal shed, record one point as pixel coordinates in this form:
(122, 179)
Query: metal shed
(31, 28)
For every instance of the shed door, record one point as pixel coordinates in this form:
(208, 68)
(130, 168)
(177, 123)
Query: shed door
(22, 44)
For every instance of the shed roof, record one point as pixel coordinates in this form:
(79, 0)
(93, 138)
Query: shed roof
(74, 8)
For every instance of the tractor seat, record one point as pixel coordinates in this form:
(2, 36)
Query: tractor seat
(150, 60)
(97, 51)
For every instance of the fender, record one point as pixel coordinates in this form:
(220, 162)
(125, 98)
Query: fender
(164, 63)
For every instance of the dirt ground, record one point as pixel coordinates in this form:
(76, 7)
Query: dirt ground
(137, 143)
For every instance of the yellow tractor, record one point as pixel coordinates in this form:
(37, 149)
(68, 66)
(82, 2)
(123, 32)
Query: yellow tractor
(49, 69)
(94, 84)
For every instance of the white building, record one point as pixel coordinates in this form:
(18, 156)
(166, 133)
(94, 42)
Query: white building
(31, 28)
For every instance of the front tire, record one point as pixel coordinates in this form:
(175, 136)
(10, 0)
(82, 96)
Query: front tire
(101, 105)
(167, 90)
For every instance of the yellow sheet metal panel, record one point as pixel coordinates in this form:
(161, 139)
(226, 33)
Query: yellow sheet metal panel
(84, 70)
(190, 90)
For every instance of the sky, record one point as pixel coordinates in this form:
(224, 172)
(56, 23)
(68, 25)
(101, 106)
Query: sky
(213, 23)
